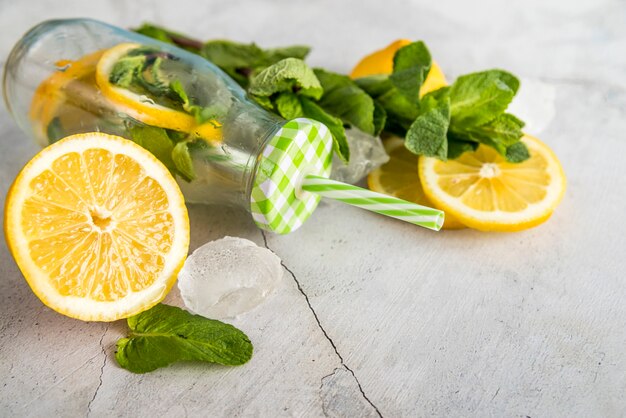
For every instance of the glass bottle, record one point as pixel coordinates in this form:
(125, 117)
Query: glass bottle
(74, 76)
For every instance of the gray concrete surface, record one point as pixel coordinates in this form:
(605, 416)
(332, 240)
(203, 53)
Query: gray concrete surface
(374, 317)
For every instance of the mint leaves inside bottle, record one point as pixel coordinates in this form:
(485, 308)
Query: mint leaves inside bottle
(166, 334)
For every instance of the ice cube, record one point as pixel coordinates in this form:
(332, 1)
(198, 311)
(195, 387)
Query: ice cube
(366, 154)
(227, 277)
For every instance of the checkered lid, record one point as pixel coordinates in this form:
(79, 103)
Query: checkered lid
(302, 146)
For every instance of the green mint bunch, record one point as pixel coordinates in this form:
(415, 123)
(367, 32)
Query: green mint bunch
(442, 124)
(451, 120)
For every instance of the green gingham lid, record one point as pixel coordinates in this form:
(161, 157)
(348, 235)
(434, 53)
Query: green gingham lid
(302, 146)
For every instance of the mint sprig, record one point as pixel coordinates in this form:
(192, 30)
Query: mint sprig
(411, 65)
(288, 75)
(170, 37)
(244, 61)
(347, 101)
(292, 89)
(478, 103)
(451, 120)
(427, 135)
(314, 111)
(166, 334)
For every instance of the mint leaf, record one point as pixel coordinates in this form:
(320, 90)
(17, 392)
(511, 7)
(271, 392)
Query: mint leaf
(344, 99)
(202, 114)
(179, 91)
(379, 118)
(374, 85)
(55, 130)
(156, 141)
(232, 55)
(126, 69)
(478, 98)
(517, 152)
(334, 124)
(166, 334)
(428, 134)
(243, 61)
(505, 129)
(457, 148)
(154, 32)
(169, 37)
(182, 161)
(399, 110)
(153, 80)
(273, 55)
(288, 106)
(411, 64)
(397, 95)
(288, 75)
(506, 126)
(500, 133)
(265, 102)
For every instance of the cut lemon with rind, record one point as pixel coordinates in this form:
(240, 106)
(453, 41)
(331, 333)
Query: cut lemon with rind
(381, 62)
(98, 227)
(486, 192)
(399, 178)
(138, 106)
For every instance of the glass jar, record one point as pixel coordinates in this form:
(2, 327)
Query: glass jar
(79, 75)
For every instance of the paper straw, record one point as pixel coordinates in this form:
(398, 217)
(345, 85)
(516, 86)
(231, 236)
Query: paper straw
(375, 202)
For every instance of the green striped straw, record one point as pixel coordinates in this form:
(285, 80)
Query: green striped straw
(375, 202)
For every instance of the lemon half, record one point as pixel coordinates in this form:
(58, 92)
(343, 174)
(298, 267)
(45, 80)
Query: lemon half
(98, 227)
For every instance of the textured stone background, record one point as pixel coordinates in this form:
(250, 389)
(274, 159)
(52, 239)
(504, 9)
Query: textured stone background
(374, 317)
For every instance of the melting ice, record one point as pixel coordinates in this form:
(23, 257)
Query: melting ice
(366, 154)
(227, 277)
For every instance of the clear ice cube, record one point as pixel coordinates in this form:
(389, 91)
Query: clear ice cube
(366, 154)
(227, 277)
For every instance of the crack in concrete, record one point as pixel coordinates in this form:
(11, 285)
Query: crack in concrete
(319, 324)
(104, 363)
(495, 394)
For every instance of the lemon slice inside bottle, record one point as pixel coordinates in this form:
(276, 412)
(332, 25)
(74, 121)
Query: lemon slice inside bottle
(138, 106)
(50, 94)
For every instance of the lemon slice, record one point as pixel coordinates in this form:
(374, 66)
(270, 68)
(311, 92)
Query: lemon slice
(137, 106)
(381, 62)
(98, 227)
(399, 178)
(485, 192)
(50, 94)
(211, 132)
